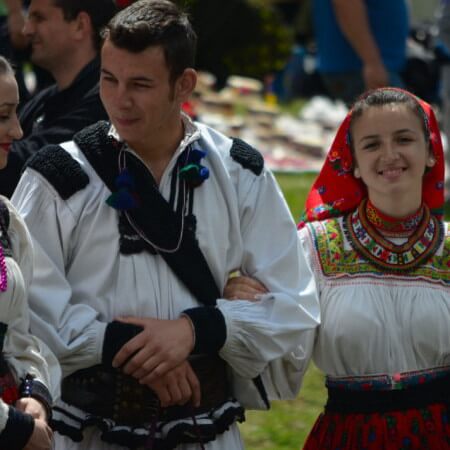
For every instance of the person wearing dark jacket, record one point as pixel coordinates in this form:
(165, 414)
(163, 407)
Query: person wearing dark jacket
(65, 40)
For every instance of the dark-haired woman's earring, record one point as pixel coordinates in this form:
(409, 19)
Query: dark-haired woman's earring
(356, 173)
(431, 161)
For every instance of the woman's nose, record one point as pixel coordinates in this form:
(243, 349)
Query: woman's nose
(16, 130)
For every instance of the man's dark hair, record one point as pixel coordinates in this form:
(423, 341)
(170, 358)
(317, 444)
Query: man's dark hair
(148, 23)
(99, 11)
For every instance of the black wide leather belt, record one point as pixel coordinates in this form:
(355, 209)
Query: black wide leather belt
(367, 402)
(107, 392)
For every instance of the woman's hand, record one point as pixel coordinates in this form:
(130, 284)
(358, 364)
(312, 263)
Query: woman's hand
(243, 288)
(41, 438)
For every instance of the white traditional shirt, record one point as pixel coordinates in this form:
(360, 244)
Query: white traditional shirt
(24, 353)
(82, 281)
(373, 322)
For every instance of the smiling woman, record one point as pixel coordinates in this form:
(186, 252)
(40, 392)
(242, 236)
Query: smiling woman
(9, 100)
(391, 147)
(380, 252)
(26, 364)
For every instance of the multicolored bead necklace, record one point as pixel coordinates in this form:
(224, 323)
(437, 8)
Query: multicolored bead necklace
(367, 240)
(393, 227)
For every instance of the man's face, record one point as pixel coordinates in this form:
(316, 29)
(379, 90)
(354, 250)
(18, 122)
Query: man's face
(49, 33)
(138, 95)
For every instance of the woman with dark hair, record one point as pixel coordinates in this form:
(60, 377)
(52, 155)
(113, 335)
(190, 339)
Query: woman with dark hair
(27, 367)
(380, 251)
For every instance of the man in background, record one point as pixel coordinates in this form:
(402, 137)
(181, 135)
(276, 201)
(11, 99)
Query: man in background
(64, 36)
(361, 44)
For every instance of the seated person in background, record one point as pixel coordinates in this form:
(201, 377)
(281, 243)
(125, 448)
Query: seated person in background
(65, 40)
(380, 251)
(26, 365)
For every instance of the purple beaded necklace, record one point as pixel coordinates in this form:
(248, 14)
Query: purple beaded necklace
(3, 272)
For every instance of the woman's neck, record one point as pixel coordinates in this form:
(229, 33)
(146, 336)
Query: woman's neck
(385, 222)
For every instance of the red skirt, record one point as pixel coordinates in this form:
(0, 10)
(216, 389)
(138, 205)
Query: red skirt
(414, 429)
(404, 412)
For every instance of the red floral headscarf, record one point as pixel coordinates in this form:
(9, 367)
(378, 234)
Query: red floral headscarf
(336, 191)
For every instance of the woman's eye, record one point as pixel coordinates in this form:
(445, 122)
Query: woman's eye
(370, 146)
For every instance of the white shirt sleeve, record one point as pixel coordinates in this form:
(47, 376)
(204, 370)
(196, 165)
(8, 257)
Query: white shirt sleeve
(25, 353)
(71, 330)
(273, 336)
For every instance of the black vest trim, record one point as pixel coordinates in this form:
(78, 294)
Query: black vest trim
(64, 173)
(155, 217)
(247, 156)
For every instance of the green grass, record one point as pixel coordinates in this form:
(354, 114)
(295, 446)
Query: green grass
(287, 424)
(295, 187)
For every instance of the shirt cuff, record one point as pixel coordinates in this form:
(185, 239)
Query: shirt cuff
(209, 327)
(117, 334)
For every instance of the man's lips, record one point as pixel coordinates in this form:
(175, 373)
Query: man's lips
(125, 122)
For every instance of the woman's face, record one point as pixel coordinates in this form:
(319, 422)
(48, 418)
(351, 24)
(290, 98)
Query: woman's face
(9, 123)
(391, 154)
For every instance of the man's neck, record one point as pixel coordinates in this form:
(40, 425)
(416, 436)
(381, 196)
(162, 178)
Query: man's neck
(65, 73)
(158, 156)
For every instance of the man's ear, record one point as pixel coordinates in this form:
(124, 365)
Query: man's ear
(83, 25)
(185, 84)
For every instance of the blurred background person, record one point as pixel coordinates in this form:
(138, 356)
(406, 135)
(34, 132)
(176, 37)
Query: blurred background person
(361, 44)
(65, 40)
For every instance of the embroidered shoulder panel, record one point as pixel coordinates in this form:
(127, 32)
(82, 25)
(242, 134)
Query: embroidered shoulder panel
(337, 261)
(58, 167)
(247, 156)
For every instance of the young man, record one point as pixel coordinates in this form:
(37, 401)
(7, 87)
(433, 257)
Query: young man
(65, 40)
(137, 224)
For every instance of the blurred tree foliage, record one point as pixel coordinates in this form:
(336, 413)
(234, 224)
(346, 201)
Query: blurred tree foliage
(241, 37)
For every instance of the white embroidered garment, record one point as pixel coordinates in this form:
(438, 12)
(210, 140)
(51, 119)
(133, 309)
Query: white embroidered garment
(82, 281)
(373, 322)
(24, 353)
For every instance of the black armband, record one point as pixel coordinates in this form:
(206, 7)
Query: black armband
(117, 334)
(210, 329)
(30, 387)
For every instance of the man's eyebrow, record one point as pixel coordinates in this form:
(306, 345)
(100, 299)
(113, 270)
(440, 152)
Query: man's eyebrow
(137, 78)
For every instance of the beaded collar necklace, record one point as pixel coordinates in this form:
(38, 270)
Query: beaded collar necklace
(382, 253)
(389, 226)
(3, 272)
(4, 244)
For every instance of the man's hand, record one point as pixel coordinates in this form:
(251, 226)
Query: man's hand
(243, 288)
(177, 387)
(375, 75)
(41, 438)
(30, 405)
(161, 346)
